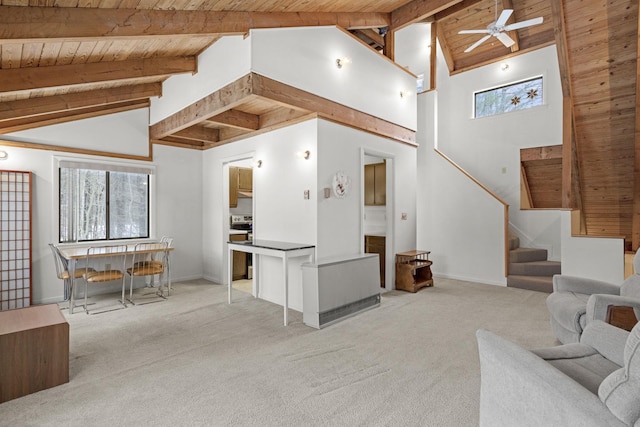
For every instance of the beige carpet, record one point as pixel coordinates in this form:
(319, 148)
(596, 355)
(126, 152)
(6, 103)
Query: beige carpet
(195, 360)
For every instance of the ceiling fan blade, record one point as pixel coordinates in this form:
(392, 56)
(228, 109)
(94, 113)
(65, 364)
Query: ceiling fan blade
(505, 39)
(527, 23)
(474, 32)
(504, 17)
(476, 44)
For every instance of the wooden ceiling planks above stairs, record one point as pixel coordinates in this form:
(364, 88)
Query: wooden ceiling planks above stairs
(598, 50)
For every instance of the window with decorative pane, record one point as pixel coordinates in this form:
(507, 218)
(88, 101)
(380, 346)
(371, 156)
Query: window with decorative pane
(512, 97)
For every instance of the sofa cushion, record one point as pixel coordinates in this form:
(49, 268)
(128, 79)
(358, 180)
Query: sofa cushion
(579, 362)
(620, 391)
(568, 309)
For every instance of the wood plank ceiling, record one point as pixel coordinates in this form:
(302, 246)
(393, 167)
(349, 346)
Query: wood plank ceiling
(62, 60)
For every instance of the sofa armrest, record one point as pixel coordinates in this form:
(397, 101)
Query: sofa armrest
(519, 388)
(597, 305)
(606, 339)
(583, 285)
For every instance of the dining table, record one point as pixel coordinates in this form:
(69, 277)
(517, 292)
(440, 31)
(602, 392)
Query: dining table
(76, 253)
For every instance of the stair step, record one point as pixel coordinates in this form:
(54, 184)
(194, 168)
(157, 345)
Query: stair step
(527, 255)
(514, 242)
(532, 283)
(535, 268)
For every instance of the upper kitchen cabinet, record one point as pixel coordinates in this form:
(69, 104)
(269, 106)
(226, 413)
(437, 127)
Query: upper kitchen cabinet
(240, 184)
(375, 184)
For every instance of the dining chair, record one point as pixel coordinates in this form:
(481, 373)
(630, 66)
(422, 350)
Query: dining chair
(113, 259)
(62, 271)
(149, 259)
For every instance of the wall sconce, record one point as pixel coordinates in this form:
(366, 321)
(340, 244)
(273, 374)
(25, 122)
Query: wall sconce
(343, 62)
(405, 94)
(504, 66)
(4, 155)
(304, 154)
(258, 163)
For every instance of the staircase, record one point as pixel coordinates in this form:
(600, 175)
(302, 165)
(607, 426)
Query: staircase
(529, 268)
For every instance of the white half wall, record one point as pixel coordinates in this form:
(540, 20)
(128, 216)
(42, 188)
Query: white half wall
(597, 258)
(306, 58)
(459, 222)
(225, 61)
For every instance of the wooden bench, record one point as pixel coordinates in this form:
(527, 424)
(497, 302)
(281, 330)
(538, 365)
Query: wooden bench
(34, 350)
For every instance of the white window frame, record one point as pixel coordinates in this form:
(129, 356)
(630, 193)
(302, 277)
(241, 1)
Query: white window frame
(114, 166)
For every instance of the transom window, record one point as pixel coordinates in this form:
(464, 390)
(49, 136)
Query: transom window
(512, 97)
(103, 202)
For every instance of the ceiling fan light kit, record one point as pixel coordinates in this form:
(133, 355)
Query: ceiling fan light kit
(498, 29)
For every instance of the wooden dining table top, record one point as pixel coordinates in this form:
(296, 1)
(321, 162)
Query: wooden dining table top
(73, 253)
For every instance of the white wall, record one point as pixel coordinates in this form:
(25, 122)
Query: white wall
(413, 49)
(489, 148)
(118, 133)
(280, 210)
(460, 223)
(177, 196)
(222, 63)
(597, 258)
(341, 221)
(306, 58)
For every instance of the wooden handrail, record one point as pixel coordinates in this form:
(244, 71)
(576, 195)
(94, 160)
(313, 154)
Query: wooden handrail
(492, 194)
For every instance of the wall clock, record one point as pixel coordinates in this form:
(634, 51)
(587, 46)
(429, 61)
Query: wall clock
(341, 184)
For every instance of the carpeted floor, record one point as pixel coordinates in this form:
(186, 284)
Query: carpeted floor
(195, 360)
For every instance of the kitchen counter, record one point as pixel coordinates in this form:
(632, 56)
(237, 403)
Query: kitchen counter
(378, 233)
(238, 232)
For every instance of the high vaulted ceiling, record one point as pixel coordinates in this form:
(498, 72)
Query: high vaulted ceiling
(63, 60)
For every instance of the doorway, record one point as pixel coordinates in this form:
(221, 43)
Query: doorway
(240, 211)
(377, 212)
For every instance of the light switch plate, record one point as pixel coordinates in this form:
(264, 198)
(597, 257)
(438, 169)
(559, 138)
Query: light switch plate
(403, 216)
(306, 194)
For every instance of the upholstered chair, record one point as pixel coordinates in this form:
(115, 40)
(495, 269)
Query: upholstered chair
(576, 300)
(595, 382)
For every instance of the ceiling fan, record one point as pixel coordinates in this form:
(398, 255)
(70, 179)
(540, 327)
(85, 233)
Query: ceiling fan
(497, 29)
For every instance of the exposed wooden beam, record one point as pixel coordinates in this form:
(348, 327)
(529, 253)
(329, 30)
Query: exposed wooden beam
(211, 105)
(179, 142)
(28, 23)
(72, 101)
(373, 35)
(198, 133)
(465, 4)
(433, 55)
(237, 119)
(24, 123)
(418, 10)
(18, 79)
(541, 153)
(280, 92)
(557, 11)
(508, 4)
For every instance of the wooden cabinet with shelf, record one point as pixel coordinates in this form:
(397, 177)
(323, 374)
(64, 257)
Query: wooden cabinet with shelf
(239, 258)
(375, 184)
(377, 245)
(413, 270)
(240, 184)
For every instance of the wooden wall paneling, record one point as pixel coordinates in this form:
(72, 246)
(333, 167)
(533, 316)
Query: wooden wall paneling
(635, 240)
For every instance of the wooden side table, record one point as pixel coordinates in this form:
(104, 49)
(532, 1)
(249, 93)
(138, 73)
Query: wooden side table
(34, 350)
(413, 270)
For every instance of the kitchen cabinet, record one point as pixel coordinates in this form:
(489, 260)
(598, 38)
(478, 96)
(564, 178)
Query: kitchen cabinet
(239, 258)
(377, 245)
(375, 184)
(240, 184)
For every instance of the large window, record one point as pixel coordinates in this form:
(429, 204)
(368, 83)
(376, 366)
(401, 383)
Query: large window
(103, 202)
(512, 97)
